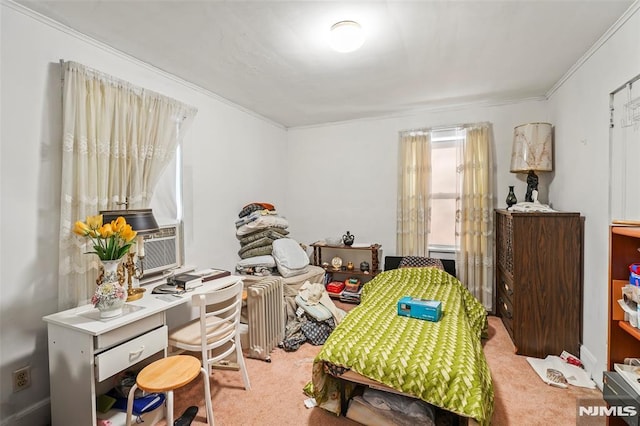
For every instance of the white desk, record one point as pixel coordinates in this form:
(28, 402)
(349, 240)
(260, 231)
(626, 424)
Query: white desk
(86, 352)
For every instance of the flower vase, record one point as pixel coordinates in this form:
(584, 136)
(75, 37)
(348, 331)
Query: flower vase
(511, 197)
(109, 296)
(109, 272)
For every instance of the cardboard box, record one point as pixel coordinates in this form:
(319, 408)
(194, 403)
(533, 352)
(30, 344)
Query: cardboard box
(424, 309)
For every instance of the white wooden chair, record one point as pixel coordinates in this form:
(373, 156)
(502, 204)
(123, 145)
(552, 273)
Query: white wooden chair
(216, 332)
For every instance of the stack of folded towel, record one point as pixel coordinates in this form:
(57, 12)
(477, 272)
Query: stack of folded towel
(257, 227)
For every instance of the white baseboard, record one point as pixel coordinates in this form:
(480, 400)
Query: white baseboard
(35, 414)
(590, 363)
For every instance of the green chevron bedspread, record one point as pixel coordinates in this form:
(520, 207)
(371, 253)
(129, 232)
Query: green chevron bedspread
(440, 362)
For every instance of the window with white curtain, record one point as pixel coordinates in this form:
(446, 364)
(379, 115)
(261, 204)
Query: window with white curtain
(118, 140)
(445, 200)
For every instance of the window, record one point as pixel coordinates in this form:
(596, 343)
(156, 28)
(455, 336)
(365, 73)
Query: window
(446, 185)
(445, 201)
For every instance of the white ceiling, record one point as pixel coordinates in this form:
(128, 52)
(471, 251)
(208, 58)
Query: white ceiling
(271, 57)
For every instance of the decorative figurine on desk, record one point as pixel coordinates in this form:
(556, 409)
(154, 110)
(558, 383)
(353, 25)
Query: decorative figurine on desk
(348, 238)
(364, 266)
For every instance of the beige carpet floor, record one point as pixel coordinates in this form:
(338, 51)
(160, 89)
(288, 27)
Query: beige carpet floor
(276, 396)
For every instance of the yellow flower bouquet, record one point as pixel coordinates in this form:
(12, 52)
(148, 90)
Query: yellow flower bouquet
(110, 241)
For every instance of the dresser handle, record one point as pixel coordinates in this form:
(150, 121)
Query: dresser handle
(506, 309)
(135, 354)
(507, 313)
(507, 288)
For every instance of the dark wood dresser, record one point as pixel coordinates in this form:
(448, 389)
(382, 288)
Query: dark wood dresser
(539, 280)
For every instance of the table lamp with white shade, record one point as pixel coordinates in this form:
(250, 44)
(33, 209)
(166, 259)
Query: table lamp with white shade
(532, 152)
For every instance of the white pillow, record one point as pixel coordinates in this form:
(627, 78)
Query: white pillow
(290, 258)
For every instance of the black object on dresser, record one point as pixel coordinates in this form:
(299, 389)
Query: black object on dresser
(539, 280)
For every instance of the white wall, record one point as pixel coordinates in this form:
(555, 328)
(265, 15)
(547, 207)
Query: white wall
(580, 111)
(325, 179)
(343, 176)
(231, 157)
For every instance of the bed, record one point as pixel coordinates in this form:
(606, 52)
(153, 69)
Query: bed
(441, 362)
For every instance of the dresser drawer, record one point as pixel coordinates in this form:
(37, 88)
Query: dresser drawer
(128, 332)
(617, 393)
(129, 353)
(505, 312)
(504, 308)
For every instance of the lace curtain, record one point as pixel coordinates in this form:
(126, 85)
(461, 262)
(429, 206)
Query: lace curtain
(413, 209)
(474, 210)
(117, 140)
(474, 219)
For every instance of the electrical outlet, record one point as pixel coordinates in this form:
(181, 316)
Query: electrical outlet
(22, 378)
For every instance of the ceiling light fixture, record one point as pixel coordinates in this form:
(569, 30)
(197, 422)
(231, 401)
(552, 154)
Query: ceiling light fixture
(346, 36)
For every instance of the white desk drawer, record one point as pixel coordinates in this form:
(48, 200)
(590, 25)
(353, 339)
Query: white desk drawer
(129, 353)
(131, 330)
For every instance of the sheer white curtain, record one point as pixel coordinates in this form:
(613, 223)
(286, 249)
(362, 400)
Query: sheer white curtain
(474, 233)
(413, 208)
(117, 140)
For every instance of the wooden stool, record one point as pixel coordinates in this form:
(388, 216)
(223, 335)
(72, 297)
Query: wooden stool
(166, 375)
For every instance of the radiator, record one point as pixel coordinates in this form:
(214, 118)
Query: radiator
(266, 317)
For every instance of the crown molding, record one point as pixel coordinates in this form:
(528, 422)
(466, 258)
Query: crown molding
(427, 109)
(108, 49)
(596, 46)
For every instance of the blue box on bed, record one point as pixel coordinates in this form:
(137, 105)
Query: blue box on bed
(413, 307)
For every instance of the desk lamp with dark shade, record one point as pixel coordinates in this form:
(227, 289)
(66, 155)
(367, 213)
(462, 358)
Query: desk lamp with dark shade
(532, 152)
(143, 222)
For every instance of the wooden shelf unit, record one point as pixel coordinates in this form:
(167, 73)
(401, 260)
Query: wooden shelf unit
(373, 259)
(624, 339)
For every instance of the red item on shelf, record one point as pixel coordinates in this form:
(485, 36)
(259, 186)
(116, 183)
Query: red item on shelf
(335, 287)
